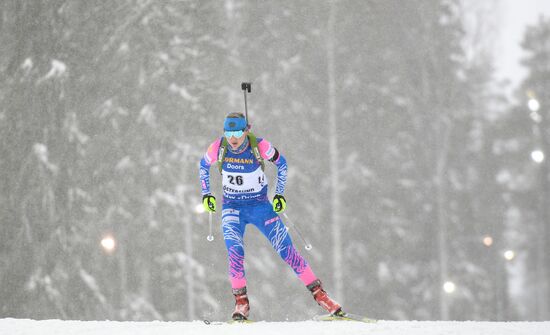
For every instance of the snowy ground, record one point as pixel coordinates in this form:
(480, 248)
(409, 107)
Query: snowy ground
(57, 327)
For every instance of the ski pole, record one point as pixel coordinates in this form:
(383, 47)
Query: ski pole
(306, 244)
(210, 237)
(246, 87)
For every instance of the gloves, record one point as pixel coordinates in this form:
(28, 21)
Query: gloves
(209, 202)
(279, 203)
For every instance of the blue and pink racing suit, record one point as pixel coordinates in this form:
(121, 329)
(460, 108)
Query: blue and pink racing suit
(245, 201)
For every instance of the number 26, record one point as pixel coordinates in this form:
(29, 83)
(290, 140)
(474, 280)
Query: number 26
(235, 180)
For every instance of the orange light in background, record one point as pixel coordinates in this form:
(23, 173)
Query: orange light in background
(108, 243)
(488, 241)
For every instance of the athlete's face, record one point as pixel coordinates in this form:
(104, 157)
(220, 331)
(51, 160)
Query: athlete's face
(236, 142)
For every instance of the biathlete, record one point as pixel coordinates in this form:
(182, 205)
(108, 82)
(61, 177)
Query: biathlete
(240, 158)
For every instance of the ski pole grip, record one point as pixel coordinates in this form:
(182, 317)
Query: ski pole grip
(246, 87)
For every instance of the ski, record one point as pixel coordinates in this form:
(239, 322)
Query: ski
(344, 317)
(212, 323)
(217, 323)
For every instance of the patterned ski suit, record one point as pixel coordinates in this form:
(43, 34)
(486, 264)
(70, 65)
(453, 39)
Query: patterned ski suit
(245, 201)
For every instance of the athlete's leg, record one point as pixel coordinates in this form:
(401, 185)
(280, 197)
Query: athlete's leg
(233, 232)
(270, 224)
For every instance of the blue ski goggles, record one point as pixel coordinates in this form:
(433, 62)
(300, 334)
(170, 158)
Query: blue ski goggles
(233, 133)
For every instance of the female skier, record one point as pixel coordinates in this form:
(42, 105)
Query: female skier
(240, 157)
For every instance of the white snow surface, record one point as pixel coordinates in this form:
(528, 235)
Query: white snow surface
(59, 327)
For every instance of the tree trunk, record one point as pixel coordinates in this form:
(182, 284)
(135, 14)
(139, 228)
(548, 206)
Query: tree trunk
(189, 280)
(441, 201)
(338, 269)
(543, 268)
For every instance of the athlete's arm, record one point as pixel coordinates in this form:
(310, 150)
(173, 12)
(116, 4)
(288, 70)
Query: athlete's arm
(270, 153)
(204, 167)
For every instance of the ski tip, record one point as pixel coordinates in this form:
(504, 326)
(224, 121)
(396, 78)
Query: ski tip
(209, 322)
(215, 323)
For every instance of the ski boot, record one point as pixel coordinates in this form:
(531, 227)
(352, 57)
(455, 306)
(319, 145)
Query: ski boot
(242, 306)
(322, 298)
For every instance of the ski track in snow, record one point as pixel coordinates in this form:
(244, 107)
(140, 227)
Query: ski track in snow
(59, 327)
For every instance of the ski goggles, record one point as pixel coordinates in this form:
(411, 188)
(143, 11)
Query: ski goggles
(233, 133)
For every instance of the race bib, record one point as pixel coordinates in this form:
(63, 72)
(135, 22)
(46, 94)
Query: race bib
(236, 183)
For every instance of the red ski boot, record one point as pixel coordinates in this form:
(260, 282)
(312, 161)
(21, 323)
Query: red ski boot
(323, 299)
(242, 306)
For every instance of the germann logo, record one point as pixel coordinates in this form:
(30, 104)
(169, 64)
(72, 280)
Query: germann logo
(232, 124)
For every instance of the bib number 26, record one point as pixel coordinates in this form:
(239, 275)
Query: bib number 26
(235, 180)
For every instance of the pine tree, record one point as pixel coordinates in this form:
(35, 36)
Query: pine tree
(535, 87)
